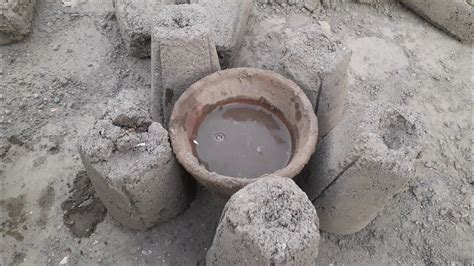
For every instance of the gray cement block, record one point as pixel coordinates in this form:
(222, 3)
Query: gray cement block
(16, 17)
(133, 170)
(183, 51)
(454, 16)
(228, 20)
(319, 65)
(268, 222)
(135, 18)
(358, 167)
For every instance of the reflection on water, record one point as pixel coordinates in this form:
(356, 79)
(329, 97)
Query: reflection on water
(242, 140)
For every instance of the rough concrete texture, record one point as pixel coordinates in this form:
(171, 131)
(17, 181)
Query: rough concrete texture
(56, 95)
(376, 3)
(132, 168)
(4, 147)
(319, 65)
(454, 17)
(268, 222)
(15, 20)
(332, 3)
(361, 165)
(310, 5)
(183, 51)
(135, 18)
(228, 19)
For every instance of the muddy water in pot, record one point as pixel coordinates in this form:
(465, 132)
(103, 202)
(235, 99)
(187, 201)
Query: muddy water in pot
(242, 139)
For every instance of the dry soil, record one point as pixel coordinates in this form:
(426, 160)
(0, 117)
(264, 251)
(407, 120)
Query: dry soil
(57, 81)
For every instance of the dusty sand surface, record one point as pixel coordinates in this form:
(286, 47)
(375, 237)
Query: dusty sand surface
(55, 83)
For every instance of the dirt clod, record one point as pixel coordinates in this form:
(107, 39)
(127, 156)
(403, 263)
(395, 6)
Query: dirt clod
(13, 224)
(46, 201)
(15, 140)
(18, 258)
(4, 147)
(135, 122)
(83, 210)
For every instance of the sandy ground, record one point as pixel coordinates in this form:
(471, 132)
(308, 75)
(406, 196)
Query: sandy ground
(53, 85)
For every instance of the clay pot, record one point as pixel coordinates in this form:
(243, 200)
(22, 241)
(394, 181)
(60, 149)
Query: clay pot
(266, 87)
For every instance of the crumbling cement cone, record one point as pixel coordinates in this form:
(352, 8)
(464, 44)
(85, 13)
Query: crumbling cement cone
(183, 51)
(133, 170)
(15, 20)
(361, 165)
(268, 222)
(319, 65)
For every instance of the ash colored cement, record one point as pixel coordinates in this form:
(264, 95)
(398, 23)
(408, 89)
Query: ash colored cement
(361, 165)
(376, 3)
(319, 65)
(454, 16)
(310, 5)
(16, 17)
(183, 51)
(268, 222)
(131, 165)
(135, 18)
(333, 3)
(228, 20)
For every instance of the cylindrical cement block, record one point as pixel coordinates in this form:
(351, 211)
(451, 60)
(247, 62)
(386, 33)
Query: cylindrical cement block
(268, 222)
(361, 165)
(183, 51)
(135, 19)
(15, 20)
(454, 16)
(228, 20)
(319, 65)
(133, 170)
